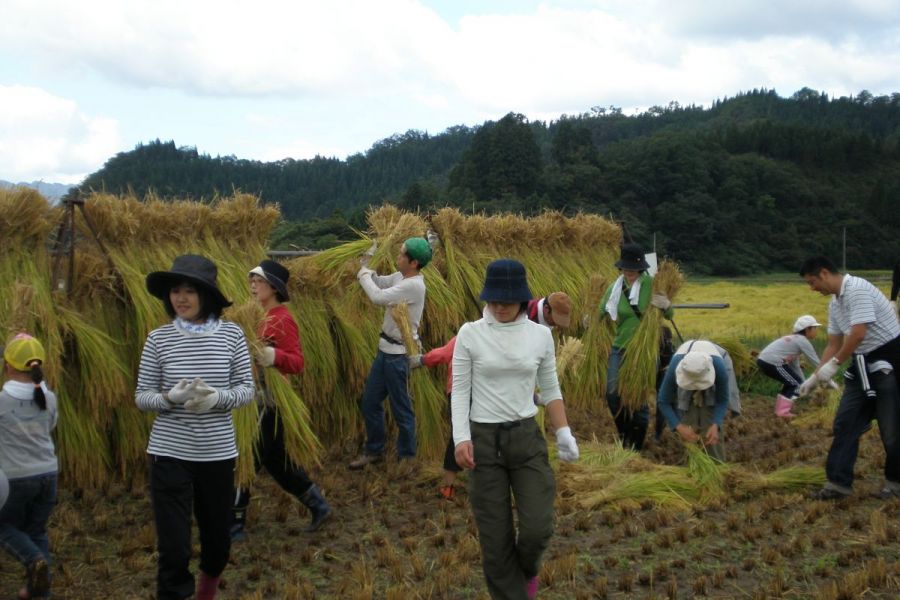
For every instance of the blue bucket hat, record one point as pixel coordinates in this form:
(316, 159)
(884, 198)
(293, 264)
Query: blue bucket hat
(505, 281)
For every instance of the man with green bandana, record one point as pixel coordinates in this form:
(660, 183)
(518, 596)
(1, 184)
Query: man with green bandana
(389, 374)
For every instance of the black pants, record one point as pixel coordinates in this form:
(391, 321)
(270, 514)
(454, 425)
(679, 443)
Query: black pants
(785, 374)
(273, 456)
(177, 487)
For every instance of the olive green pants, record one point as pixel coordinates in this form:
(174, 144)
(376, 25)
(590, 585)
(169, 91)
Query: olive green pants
(511, 463)
(700, 418)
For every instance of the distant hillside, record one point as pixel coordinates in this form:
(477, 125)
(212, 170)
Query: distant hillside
(52, 191)
(754, 183)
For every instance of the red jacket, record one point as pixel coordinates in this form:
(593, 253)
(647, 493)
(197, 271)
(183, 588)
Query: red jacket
(279, 330)
(442, 356)
(533, 309)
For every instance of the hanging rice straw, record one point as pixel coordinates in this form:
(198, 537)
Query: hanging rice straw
(706, 471)
(400, 313)
(637, 376)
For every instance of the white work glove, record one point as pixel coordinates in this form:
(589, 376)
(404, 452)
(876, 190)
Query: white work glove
(660, 301)
(433, 240)
(807, 386)
(585, 320)
(414, 361)
(833, 384)
(266, 356)
(827, 371)
(364, 272)
(181, 393)
(205, 398)
(566, 446)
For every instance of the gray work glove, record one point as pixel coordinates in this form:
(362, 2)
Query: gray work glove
(180, 393)
(266, 356)
(205, 398)
(660, 301)
(414, 361)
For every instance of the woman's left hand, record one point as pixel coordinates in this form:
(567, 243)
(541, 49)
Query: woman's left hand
(465, 455)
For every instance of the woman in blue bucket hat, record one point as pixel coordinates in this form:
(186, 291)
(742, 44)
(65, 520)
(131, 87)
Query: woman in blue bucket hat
(497, 363)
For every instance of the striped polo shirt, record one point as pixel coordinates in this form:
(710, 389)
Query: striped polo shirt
(218, 356)
(861, 302)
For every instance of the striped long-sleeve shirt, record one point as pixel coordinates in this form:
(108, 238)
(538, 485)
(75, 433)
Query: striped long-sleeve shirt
(861, 302)
(220, 357)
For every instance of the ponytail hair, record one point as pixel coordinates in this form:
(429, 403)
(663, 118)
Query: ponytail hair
(37, 376)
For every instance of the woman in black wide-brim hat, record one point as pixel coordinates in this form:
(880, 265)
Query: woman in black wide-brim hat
(193, 372)
(625, 302)
(284, 353)
(497, 362)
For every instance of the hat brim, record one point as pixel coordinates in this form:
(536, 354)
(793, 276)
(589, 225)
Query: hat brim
(276, 283)
(506, 296)
(159, 283)
(632, 265)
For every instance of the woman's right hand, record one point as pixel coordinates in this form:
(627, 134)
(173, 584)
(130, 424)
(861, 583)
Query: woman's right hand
(687, 433)
(465, 455)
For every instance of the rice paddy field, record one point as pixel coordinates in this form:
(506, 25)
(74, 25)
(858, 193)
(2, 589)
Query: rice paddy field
(665, 523)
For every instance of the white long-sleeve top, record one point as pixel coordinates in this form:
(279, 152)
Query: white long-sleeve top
(787, 349)
(388, 290)
(496, 367)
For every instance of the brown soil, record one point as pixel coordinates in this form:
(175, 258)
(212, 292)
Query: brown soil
(392, 537)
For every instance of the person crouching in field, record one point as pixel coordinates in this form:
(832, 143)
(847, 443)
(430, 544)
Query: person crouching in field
(28, 459)
(780, 360)
(193, 372)
(283, 351)
(497, 362)
(694, 395)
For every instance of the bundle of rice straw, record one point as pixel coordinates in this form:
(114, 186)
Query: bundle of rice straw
(789, 479)
(706, 471)
(824, 404)
(637, 375)
(400, 313)
(569, 355)
(586, 383)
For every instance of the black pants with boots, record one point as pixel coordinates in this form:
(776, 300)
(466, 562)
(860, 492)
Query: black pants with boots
(274, 457)
(178, 487)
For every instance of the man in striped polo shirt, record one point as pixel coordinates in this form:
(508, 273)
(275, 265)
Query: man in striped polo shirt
(861, 327)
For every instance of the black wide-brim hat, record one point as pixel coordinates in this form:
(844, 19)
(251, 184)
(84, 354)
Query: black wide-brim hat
(276, 274)
(196, 270)
(632, 258)
(505, 281)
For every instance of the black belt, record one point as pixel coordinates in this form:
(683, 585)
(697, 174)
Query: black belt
(388, 338)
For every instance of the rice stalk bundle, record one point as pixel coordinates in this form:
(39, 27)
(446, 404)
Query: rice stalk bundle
(26, 219)
(569, 355)
(429, 404)
(586, 385)
(707, 472)
(82, 447)
(320, 371)
(637, 375)
(664, 488)
(300, 440)
(744, 364)
(105, 382)
(444, 310)
(333, 267)
(788, 479)
(823, 405)
(400, 314)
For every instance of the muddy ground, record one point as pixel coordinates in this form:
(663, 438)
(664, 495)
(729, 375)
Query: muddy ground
(393, 537)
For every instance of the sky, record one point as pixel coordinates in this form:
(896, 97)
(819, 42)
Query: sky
(272, 79)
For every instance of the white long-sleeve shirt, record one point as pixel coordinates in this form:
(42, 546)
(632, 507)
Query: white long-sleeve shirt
(496, 367)
(388, 290)
(787, 349)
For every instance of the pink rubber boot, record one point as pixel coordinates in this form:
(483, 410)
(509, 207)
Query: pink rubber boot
(207, 587)
(783, 407)
(531, 587)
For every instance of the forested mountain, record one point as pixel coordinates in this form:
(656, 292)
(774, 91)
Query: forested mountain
(754, 183)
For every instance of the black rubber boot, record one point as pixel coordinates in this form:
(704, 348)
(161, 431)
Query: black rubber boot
(318, 508)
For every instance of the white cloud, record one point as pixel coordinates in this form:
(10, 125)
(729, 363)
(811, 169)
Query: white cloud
(43, 136)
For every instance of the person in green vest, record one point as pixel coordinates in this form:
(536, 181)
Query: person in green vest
(625, 302)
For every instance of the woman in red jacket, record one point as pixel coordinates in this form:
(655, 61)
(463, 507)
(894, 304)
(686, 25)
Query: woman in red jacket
(282, 351)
